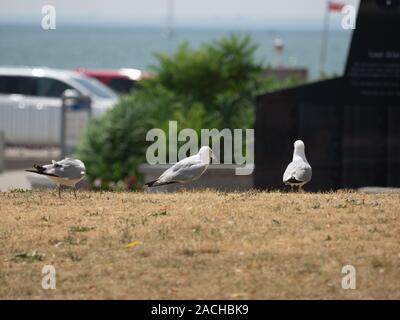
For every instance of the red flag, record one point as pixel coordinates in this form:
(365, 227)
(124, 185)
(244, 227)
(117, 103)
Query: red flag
(335, 6)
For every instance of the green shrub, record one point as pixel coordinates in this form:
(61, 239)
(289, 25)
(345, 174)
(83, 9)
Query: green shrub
(223, 75)
(114, 144)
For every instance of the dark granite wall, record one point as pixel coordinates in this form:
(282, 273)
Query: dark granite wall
(350, 124)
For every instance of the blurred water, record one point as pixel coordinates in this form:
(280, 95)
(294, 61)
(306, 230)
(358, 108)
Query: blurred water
(71, 47)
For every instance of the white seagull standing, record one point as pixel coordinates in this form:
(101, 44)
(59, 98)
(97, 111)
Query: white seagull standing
(186, 170)
(299, 171)
(67, 172)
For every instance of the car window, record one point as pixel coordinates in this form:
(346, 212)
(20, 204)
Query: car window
(122, 86)
(47, 87)
(18, 85)
(96, 88)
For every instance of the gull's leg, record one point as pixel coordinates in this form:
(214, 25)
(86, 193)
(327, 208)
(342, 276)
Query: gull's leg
(59, 191)
(75, 191)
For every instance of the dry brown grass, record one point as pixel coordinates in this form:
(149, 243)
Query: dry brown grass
(203, 245)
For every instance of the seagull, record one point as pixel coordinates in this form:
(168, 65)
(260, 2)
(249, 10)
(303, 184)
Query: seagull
(299, 171)
(67, 172)
(186, 170)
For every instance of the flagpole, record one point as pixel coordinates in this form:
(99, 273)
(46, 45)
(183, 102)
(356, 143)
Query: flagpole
(325, 34)
(169, 31)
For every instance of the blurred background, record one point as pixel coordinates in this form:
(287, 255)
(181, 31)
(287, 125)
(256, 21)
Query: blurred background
(123, 33)
(143, 63)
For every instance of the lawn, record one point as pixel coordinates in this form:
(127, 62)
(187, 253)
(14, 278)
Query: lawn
(199, 245)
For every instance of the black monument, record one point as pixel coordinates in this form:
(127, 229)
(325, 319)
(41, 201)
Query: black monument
(350, 124)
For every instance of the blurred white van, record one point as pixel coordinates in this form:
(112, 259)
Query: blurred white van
(30, 102)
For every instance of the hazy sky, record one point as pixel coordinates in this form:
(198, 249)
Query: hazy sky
(239, 13)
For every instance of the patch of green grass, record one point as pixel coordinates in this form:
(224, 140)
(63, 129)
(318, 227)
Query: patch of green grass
(74, 257)
(356, 202)
(192, 252)
(276, 221)
(309, 268)
(30, 256)
(161, 213)
(21, 191)
(316, 206)
(80, 229)
(74, 241)
(92, 213)
(376, 263)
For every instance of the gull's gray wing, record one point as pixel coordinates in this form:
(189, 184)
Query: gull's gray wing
(67, 168)
(298, 170)
(183, 171)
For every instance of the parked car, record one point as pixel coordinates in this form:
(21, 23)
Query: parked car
(30, 102)
(121, 81)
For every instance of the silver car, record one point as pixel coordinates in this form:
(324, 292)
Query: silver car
(30, 102)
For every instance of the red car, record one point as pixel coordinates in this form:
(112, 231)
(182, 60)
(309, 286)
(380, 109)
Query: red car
(121, 81)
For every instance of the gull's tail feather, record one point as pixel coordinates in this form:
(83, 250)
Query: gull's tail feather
(292, 180)
(155, 184)
(150, 183)
(40, 170)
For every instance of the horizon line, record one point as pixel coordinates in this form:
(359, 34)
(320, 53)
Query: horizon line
(177, 26)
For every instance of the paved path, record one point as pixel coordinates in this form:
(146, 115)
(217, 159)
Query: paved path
(14, 179)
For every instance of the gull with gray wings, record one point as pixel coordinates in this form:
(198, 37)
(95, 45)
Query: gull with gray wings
(67, 172)
(186, 170)
(299, 171)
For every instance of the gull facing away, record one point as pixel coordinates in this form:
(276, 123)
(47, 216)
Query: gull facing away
(67, 172)
(186, 170)
(299, 171)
